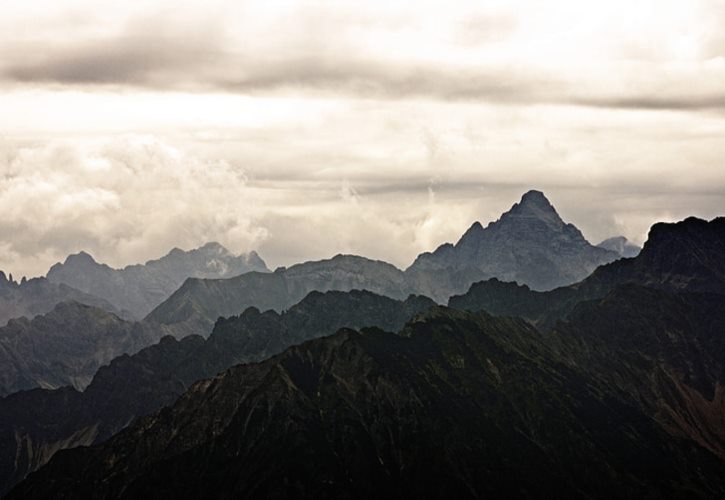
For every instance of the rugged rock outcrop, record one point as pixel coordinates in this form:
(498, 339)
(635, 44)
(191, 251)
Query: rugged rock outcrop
(141, 287)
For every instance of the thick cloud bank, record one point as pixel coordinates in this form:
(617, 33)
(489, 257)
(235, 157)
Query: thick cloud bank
(302, 129)
(125, 201)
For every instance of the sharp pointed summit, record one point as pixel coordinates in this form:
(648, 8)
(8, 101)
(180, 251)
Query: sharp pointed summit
(529, 244)
(535, 205)
(535, 198)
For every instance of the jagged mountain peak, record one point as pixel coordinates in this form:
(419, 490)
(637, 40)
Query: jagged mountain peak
(534, 205)
(529, 244)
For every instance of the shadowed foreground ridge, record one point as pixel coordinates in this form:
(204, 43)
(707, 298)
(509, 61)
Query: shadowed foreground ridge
(458, 405)
(35, 424)
(684, 256)
(66, 346)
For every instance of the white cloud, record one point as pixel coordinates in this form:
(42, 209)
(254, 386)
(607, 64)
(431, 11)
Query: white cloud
(308, 128)
(126, 200)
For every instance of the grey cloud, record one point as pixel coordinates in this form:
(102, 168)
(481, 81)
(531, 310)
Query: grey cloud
(373, 79)
(203, 56)
(176, 64)
(316, 49)
(681, 102)
(145, 52)
(134, 60)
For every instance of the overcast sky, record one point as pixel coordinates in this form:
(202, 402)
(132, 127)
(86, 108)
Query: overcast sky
(305, 129)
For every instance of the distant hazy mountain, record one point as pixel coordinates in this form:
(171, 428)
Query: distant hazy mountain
(199, 302)
(35, 424)
(141, 287)
(529, 244)
(39, 296)
(624, 401)
(620, 245)
(66, 346)
(687, 256)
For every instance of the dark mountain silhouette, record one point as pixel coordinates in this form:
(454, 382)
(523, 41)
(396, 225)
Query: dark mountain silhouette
(623, 401)
(199, 302)
(621, 246)
(669, 351)
(683, 256)
(530, 244)
(141, 287)
(35, 424)
(36, 296)
(66, 346)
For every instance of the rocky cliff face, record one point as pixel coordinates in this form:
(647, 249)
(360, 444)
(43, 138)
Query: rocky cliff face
(35, 424)
(66, 346)
(36, 296)
(618, 403)
(530, 244)
(139, 288)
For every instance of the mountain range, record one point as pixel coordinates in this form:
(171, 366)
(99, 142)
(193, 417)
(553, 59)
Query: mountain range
(683, 256)
(36, 296)
(199, 302)
(66, 346)
(529, 244)
(37, 423)
(622, 401)
(141, 287)
(558, 369)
